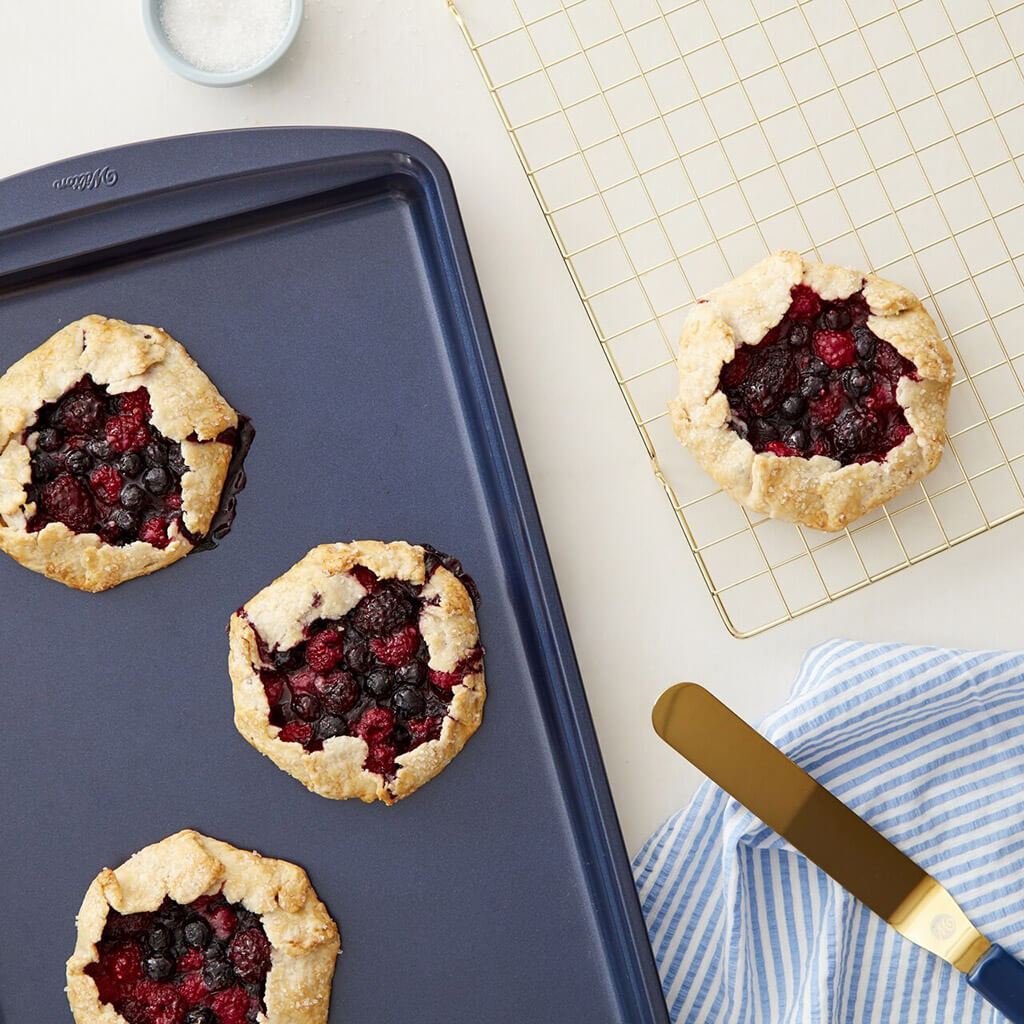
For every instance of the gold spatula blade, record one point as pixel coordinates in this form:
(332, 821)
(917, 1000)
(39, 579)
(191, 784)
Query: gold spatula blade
(821, 827)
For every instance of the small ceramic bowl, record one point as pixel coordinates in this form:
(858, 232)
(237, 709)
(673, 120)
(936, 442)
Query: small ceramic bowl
(175, 61)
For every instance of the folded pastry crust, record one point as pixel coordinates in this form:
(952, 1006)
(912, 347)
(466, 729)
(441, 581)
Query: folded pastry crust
(817, 492)
(188, 865)
(321, 586)
(187, 408)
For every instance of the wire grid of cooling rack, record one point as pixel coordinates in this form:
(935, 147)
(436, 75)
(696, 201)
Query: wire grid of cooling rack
(672, 143)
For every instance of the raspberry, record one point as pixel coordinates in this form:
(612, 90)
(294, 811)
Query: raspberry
(250, 953)
(837, 348)
(126, 433)
(381, 759)
(154, 531)
(826, 408)
(173, 501)
(231, 1006)
(303, 681)
(367, 579)
(107, 483)
(125, 926)
(223, 921)
(66, 501)
(125, 964)
(891, 364)
(446, 680)
(897, 434)
(162, 1003)
(375, 724)
(324, 651)
(296, 732)
(805, 303)
(397, 649)
(192, 988)
(781, 449)
(882, 397)
(190, 961)
(735, 371)
(424, 729)
(273, 685)
(136, 404)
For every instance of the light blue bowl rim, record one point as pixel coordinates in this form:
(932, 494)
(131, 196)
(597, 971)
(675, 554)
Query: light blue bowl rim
(177, 63)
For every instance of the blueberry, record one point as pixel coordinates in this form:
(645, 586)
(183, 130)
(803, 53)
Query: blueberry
(379, 684)
(793, 407)
(799, 335)
(49, 440)
(797, 439)
(159, 967)
(306, 707)
(412, 674)
(856, 382)
(740, 426)
(865, 342)
(78, 462)
(155, 454)
(98, 449)
(330, 725)
(217, 974)
(196, 933)
(132, 496)
(811, 387)
(285, 660)
(836, 319)
(43, 467)
(817, 367)
(123, 521)
(358, 656)
(199, 1015)
(408, 701)
(176, 461)
(157, 480)
(129, 464)
(159, 937)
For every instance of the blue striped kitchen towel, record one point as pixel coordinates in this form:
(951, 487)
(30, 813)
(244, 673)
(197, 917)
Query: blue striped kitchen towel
(925, 744)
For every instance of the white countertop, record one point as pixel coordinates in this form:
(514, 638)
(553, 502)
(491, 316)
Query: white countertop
(81, 76)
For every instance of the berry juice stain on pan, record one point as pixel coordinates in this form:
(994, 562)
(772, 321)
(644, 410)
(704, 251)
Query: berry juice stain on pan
(234, 484)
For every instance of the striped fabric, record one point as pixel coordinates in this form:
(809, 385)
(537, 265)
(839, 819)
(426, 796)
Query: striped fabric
(925, 744)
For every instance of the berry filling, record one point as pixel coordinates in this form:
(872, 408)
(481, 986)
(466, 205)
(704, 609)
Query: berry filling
(367, 673)
(100, 466)
(205, 963)
(821, 382)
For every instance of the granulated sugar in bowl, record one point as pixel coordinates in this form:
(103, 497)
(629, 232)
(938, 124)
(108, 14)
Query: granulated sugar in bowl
(222, 42)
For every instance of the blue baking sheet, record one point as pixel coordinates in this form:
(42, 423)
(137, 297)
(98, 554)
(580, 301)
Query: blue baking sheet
(322, 278)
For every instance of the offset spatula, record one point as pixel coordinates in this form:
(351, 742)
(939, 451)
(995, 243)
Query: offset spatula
(842, 844)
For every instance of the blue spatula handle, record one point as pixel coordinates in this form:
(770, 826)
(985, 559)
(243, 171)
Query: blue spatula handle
(999, 977)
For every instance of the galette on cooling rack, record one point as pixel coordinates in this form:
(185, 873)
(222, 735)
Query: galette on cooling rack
(360, 671)
(116, 452)
(811, 392)
(193, 931)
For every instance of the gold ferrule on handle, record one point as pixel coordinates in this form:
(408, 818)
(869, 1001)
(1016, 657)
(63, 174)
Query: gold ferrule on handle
(930, 917)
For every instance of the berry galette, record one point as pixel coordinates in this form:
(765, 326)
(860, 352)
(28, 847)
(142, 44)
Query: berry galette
(115, 449)
(192, 931)
(359, 671)
(812, 392)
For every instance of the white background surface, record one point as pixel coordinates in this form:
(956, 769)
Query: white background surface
(80, 76)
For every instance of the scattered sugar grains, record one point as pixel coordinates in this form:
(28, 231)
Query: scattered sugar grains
(224, 35)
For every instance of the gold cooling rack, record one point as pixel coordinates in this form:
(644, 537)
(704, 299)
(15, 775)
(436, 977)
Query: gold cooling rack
(671, 144)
